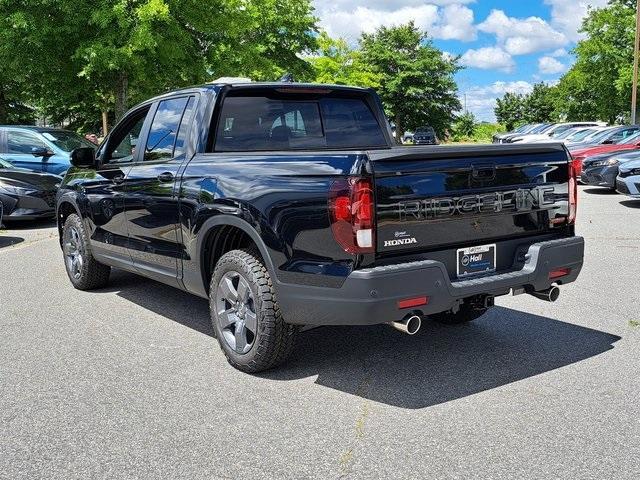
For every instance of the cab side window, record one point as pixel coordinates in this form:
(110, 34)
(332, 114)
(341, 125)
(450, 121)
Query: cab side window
(124, 140)
(164, 129)
(22, 142)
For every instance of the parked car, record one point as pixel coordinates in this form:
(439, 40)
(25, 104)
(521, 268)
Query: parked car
(601, 170)
(290, 204)
(550, 132)
(579, 134)
(425, 136)
(628, 181)
(608, 136)
(501, 137)
(39, 149)
(631, 143)
(26, 195)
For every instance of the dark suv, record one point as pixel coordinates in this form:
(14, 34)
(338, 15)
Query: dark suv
(425, 136)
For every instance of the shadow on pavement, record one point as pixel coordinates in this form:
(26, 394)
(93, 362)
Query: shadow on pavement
(171, 303)
(439, 364)
(7, 241)
(29, 224)
(600, 191)
(630, 203)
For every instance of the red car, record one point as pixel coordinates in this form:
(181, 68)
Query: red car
(630, 143)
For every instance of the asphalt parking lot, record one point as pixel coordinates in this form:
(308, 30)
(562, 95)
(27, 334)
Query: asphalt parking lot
(127, 382)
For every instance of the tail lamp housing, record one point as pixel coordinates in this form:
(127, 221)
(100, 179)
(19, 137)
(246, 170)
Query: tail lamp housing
(351, 212)
(574, 166)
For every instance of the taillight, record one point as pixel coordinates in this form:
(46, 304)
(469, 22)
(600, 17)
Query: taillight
(573, 190)
(351, 212)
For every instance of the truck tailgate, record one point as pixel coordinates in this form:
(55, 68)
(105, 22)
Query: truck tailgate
(436, 197)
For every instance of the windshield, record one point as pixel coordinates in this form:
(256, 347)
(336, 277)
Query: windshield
(560, 130)
(629, 140)
(580, 134)
(66, 141)
(603, 135)
(567, 133)
(540, 128)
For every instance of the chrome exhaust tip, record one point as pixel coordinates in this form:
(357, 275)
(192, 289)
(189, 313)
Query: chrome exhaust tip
(551, 294)
(410, 324)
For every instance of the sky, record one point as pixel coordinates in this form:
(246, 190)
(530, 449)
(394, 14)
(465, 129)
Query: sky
(505, 45)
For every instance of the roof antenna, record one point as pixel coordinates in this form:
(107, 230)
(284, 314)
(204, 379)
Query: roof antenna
(287, 78)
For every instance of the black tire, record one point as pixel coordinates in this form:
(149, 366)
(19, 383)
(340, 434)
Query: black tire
(273, 339)
(91, 274)
(466, 314)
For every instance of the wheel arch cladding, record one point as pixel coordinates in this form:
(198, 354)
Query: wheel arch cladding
(220, 235)
(65, 208)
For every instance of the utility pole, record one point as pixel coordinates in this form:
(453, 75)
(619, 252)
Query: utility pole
(634, 88)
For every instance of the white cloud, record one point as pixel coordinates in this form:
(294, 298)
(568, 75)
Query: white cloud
(561, 52)
(567, 15)
(488, 58)
(550, 66)
(442, 19)
(481, 100)
(522, 36)
(456, 24)
(388, 5)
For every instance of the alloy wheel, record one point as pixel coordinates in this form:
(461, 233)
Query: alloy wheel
(236, 312)
(73, 251)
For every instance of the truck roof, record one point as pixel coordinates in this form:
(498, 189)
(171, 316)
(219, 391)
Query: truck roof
(217, 86)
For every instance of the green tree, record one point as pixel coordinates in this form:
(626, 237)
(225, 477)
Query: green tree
(336, 62)
(598, 85)
(465, 126)
(417, 85)
(80, 57)
(539, 104)
(510, 110)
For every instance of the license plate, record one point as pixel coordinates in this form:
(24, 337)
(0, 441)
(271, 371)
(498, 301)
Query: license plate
(476, 260)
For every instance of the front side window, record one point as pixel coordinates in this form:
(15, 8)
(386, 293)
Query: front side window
(254, 123)
(125, 137)
(22, 142)
(164, 129)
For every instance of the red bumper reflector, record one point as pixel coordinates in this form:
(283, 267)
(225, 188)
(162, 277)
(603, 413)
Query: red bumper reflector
(560, 272)
(413, 302)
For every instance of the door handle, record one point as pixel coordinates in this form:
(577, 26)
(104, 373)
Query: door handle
(165, 177)
(118, 179)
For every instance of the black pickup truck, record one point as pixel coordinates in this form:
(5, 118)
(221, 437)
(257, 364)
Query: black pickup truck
(289, 205)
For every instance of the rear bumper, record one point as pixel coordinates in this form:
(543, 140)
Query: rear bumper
(371, 296)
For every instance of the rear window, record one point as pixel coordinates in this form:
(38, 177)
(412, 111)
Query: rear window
(262, 123)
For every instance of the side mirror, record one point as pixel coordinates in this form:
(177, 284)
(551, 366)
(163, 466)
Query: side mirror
(84, 157)
(41, 152)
